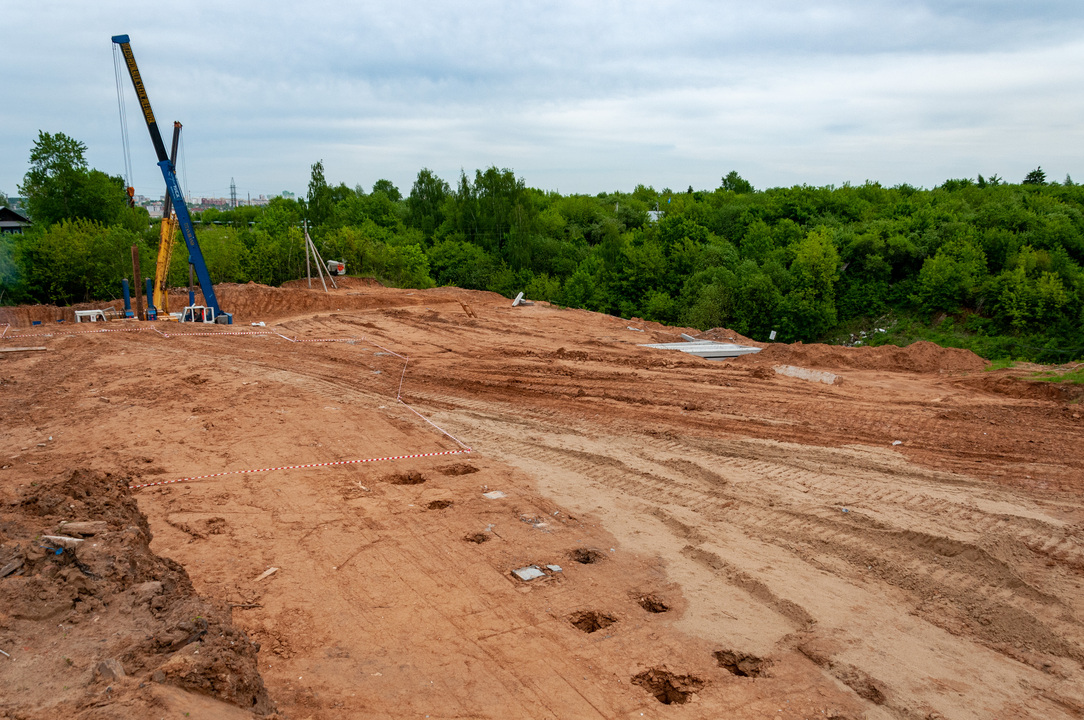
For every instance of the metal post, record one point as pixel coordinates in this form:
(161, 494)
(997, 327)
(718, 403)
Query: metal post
(308, 267)
(138, 283)
(152, 311)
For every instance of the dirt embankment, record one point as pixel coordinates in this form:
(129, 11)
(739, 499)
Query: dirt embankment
(919, 357)
(90, 617)
(251, 301)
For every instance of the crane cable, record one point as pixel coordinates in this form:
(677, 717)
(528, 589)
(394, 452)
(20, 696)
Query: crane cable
(183, 162)
(118, 68)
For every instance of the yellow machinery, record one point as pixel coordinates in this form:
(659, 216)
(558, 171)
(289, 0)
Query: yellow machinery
(166, 241)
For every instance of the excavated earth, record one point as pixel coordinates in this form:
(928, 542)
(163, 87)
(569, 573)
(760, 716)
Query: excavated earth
(807, 532)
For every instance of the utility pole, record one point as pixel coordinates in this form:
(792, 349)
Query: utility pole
(138, 283)
(233, 193)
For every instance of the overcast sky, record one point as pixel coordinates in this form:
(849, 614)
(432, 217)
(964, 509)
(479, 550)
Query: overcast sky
(578, 97)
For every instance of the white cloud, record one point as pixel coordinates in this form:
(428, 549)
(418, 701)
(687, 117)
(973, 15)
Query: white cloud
(581, 97)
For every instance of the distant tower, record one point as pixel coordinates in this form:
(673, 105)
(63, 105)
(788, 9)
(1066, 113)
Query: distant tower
(233, 193)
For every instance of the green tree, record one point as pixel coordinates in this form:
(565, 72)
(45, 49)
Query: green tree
(735, 183)
(462, 264)
(951, 278)
(809, 309)
(387, 187)
(78, 260)
(1035, 177)
(59, 185)
(320, 196)
(425, 204)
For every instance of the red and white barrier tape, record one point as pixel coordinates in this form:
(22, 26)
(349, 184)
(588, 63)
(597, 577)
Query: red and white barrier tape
(306, 465)
(80, 332)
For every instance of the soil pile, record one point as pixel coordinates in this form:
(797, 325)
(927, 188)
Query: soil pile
(919, 357)
(91, 617)
(1018, 387)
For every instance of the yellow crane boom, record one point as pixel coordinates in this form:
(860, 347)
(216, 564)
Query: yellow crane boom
(166, 239)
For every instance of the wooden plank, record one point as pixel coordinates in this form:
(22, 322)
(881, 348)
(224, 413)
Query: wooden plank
(90, 527)
(22, 349)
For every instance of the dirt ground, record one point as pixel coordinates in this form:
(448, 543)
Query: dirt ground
(329, 529)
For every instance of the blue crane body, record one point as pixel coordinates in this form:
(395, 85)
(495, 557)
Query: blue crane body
(195, 255)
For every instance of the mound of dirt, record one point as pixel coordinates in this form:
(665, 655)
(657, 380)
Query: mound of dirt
(1019, 387)
(22, 316)
(82, 591)
(920, 357)
(721, 334)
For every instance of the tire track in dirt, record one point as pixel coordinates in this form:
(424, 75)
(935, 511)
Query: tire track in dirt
(756, 497)
(923, 564)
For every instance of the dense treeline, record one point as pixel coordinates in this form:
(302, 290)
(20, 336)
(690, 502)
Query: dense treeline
(980, 263)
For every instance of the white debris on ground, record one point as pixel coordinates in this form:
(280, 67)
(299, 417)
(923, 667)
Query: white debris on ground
(806, 374)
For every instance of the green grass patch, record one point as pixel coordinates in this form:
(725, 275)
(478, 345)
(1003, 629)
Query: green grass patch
(1071, 377)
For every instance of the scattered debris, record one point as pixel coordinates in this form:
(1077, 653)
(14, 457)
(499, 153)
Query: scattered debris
(68, 543)
(531, 572)
(11, 567)
(806, 374)
(93, 527)
(520, 302)
(493, 495)
(267, 573)
(707, 349)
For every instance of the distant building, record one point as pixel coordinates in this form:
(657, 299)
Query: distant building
(12, 222)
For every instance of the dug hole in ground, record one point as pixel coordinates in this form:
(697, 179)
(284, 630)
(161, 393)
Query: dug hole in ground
(286, 520)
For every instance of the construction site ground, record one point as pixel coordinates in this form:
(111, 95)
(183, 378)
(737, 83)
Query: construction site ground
(713, 539)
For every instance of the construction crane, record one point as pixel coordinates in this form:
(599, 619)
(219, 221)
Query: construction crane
(165, 242)
(211, 312)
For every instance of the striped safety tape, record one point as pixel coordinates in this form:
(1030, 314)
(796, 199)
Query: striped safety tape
(193, 334)
(297, 467)
(79, 332)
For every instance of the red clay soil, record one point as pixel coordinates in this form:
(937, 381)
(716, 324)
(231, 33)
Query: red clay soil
(710, 539)
(919, 357)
